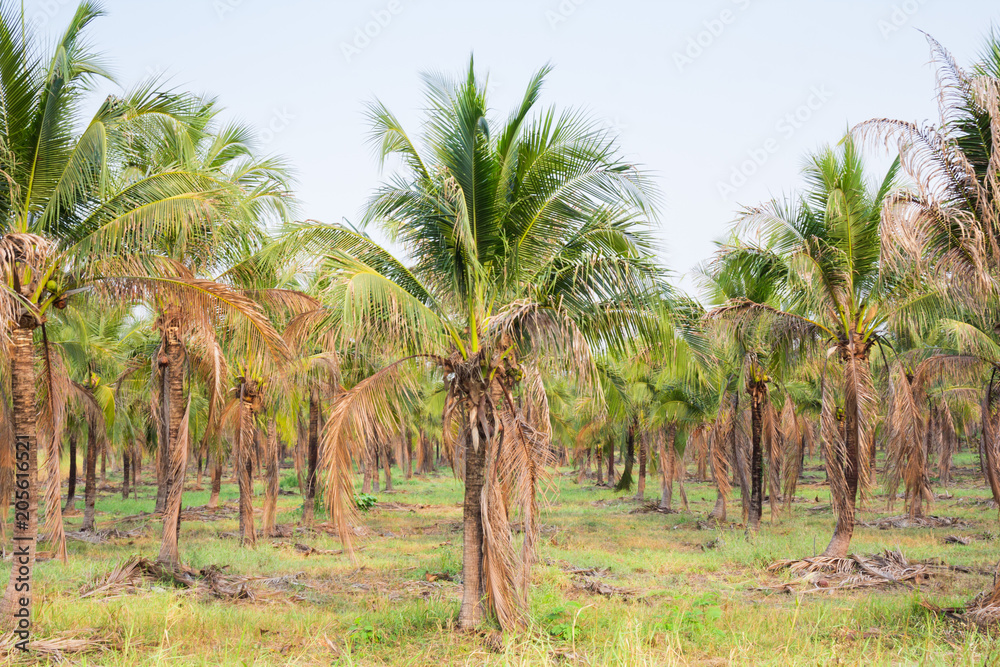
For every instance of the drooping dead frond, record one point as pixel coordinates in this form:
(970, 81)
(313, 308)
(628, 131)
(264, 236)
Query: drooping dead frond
(990, 445)
(949, 443)
(791, 435)
(371, 409)
(906, 458)
(834, 448)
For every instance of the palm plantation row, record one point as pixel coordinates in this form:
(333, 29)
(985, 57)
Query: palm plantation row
(165, 303)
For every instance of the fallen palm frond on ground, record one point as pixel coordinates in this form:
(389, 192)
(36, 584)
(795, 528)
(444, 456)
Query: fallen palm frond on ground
(823, 573)
(653, 506)
(983, 610)
(138, 573)
(906, 521)
(79, 641)
(102, 536)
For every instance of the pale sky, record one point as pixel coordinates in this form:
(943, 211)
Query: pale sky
(719, 100)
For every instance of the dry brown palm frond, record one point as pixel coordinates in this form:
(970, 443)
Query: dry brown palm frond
(206, 306)
(905, 451)
(859, 390)
(990, 444)
(548, 336)
(722, 442)
(517, 455)
(949, 443)
(791, 436)
(834, 448)
(742, 448)
(373, 408)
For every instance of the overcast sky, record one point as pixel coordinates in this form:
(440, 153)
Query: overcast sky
(718, 99)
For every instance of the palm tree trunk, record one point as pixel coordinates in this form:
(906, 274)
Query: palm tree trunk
(667, 460)
(611, 462)
(213, 500)
(471, 613)
(15, 608)
(599, 454)
(640, 492)
(386, 450)
(171, 362)
(406, 452)
(757, 397)
(271, 480)
(126, 469)
(90, 493)
(244, 473)
(625, 482)
(584, 466)
(71, 491)
(309, 502)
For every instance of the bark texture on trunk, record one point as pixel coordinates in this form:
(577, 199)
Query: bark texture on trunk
(406, 452)
(19, 593)
(640, 492)
(90, 491)
(471, 613)
(271, 453)
(668, 459)
(757, 397)
(599, 467)
(213, 500)
(71, 491)
(173, 440)
(244, 473)
(309, 502)
(126, 469)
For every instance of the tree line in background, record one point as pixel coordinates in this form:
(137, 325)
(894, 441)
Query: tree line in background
(165, 309)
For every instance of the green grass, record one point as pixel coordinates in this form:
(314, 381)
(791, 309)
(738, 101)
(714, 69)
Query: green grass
(694, 605)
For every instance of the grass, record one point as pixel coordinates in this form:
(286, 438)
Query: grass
(694, 604)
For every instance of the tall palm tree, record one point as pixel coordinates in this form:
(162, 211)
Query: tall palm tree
(77, 216)
(948, 220)
(837, 293)
(528, 249)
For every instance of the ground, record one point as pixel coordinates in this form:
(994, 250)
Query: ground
(611, 587)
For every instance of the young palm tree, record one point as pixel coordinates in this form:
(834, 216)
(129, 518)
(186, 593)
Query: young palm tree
(528, 249)
(742, 274)
(837, 293)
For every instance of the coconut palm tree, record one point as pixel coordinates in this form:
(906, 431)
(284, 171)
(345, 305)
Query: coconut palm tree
(77, 216)
(742, 274)
(528, 250)
(837, 292)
